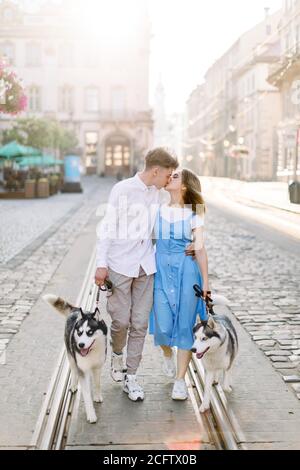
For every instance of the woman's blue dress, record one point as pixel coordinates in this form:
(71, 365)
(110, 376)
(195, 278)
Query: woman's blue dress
(175, 306)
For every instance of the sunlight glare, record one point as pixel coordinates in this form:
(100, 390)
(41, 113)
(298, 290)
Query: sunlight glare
(109, 19)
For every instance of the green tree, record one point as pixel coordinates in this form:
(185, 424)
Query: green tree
(41, 133)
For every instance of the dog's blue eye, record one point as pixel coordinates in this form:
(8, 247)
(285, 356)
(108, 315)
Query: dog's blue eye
(90, 333)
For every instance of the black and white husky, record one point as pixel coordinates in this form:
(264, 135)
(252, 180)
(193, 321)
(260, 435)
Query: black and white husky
(86, 345)
(216, 344)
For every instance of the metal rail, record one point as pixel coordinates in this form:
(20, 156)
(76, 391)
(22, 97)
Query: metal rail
(51, 427)
(220, 421)
(54, 420)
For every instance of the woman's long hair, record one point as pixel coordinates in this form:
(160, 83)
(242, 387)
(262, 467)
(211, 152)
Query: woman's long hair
(193, 194)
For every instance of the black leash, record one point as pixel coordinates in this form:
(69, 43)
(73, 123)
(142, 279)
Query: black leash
(107, 287)
(208, 300)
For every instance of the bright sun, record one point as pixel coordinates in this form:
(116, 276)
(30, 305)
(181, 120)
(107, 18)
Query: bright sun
(109, 18)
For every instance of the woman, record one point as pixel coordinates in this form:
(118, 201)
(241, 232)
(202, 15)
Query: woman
(175, 306)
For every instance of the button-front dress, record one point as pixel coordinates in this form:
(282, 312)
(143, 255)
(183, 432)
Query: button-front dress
(175, 306)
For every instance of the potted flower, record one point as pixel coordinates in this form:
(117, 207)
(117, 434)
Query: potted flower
(12, 95)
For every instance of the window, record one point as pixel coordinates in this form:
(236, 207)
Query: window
(8, 15)
(33, 55)
(35, 101)
(7, 53)
(66, 55)
(66, 99)
(91, 55)
(118, 101)
(92, 100)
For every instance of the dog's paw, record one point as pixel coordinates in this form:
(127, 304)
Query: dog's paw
(73, 388)
(92, 418)
(203, 408)
(98, 398)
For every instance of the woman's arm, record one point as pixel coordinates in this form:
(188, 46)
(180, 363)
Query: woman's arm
(201, 257)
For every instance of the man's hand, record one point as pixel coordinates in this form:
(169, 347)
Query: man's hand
(190, 250)
(100, 276)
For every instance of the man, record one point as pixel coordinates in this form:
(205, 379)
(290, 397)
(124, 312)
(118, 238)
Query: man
(125, 255)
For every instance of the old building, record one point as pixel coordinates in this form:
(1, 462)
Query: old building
(286, 77)
(90, 70)
(238, 109)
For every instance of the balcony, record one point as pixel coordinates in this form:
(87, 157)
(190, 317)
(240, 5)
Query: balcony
(287, 69)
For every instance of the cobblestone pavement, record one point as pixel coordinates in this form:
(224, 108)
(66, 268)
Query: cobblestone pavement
(23, 277)
(262, 282)
(260, 279)
(22, 221)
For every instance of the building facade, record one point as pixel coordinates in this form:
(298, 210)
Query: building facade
(93, 80)
(239, 109)
(286, 77)
(195, 149)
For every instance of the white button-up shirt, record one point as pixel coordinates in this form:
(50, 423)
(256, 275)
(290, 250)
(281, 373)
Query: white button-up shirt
(124, 236)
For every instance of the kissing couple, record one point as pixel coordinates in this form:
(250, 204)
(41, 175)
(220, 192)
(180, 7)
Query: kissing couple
(152, 250)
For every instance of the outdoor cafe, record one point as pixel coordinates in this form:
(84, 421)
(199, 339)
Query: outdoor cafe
(25, 172)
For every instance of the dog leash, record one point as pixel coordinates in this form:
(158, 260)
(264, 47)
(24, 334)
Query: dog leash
(107, 287)
(208, 300)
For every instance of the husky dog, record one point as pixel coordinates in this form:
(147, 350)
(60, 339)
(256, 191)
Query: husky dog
(86, 345)
(216, 344)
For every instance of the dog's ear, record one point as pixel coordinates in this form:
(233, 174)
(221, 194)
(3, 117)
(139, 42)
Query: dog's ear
(197, 328)
(83, 315)
(97, 314)
(211, 323)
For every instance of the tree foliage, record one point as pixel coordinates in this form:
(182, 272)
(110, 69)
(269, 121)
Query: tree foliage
(41, 133)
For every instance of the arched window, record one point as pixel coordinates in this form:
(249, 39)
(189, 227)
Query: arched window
(66, 99)
(92, 99)
(118, 101)
(35, 98)
(33, 54)
(66, 55)
(7, 53)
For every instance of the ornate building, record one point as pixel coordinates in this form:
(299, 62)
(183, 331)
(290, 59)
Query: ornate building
(232, 116)
(92, 74)
(286, 77)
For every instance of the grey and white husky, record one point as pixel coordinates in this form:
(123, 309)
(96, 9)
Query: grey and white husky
(216, 344)
(86, 345)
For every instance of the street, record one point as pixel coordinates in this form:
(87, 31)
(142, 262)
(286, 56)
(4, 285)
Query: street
(252, 264)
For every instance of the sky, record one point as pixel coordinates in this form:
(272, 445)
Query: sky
(189, 35)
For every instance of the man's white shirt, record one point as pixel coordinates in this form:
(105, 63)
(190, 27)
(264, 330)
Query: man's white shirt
(124, 237)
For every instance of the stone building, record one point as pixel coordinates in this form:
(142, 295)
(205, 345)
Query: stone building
(88, 68)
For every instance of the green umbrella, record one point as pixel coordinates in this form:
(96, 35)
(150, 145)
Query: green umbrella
(45, 160)
(14, 150)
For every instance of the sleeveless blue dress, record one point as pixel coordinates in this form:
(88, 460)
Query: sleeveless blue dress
(175, 306)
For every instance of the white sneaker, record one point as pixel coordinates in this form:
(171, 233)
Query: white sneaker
(117, 367)
(169, 367)
(132, 387)
(180, 391)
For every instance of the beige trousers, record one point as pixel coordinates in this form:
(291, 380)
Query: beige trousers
(129, 307)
